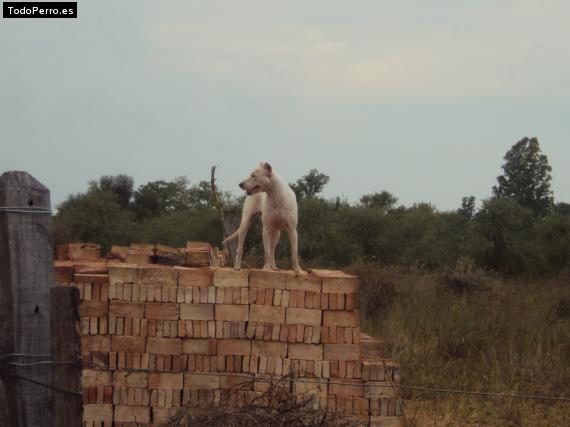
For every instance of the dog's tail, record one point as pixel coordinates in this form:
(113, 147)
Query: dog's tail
(232, 237)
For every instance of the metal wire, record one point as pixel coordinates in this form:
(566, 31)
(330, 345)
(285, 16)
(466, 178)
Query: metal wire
(25, 209)
(51, 387)
(364, 385)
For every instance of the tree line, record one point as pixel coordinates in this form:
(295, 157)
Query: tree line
(517, 230)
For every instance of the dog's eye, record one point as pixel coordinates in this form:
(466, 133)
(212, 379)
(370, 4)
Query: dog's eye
(253, 175)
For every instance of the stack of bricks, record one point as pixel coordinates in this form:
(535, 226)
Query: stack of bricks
(156, 338)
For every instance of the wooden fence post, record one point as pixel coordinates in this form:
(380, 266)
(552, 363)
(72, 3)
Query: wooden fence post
(26, 275)
(66, 355)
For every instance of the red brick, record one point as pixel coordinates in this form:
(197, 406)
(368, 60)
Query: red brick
(226, 277)
(303, 316)
(124, 274)
(303, 282)
(305, 351)
(337, 282)
(231, 312)
(269, 349)
(127, 344)
(265, 313)
(347, 388)
(127, 309)
(165, 381)
(199, 346)
(341, 352)
(195, 277)
(340, 318)
(234, 347)
(93, 308)
(132, 414)
(95, 343)
(170, 346)
(267, 279)
(197, 311)
(161, 310)
(159, 276)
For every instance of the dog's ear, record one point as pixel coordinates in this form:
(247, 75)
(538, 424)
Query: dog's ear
(268, 168)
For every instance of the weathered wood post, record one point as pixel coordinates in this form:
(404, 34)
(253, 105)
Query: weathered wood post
(26, 275)
(66, 356)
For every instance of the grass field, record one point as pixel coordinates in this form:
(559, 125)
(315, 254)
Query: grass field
(471, 330)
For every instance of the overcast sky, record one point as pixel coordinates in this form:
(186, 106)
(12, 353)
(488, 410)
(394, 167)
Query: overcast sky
(419, 98)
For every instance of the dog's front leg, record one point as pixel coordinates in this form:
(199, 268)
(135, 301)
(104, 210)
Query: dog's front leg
(293, 239)
(267, 248)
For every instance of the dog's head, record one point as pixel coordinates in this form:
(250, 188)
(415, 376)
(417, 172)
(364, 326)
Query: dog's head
(258, 180)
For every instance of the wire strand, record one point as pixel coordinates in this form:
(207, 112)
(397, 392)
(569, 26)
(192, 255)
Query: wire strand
(364, 385)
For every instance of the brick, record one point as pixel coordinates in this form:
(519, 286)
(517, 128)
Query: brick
(269, 349)
(199, 346)
(380, 390)
(132, 414)
(83, 251)
(266, 313)
(95, 343)
(127, 344)
(241, 382)
(63, 271)
(127, 309)
(267, 279)
(305, 351)
(341, 352)
(124, 274)
(90, 267)
(195, 277)
(225, 277)
(96, 377)
(231, 312)
(234, 347)
(384, 421)
(346, 388)
(157, 310)
(201, 381)
(93, 308)
(197, 311)
(156, 345)
(98, 413)
(303, 316)
(130, 379)
(337, 282)
(340, 318)
(159, 276)
(90, 278)
(303, 282)
(165, 381)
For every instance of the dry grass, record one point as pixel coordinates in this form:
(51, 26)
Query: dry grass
(277, 406)
(469, 329)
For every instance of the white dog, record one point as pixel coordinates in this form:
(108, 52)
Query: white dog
(269, 194)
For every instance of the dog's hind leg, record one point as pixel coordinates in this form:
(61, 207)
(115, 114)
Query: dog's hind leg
(242, 233)
(293, 239)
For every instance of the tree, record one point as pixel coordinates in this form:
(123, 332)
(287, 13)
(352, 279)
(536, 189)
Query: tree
(94, 217)
(120, 185)
(467, 209)
(526, 178)
(310, 185)
(383, 200)
(562, 208)
(158, 197)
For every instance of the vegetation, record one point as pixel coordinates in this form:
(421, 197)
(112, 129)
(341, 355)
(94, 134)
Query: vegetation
(475, 299)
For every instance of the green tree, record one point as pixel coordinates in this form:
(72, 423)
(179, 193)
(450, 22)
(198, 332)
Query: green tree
(467, 209)
(526, 178)
(310, 185)
(120, 185)
(509, 241)
(95, 217)
(159, 197)
(383, 200)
